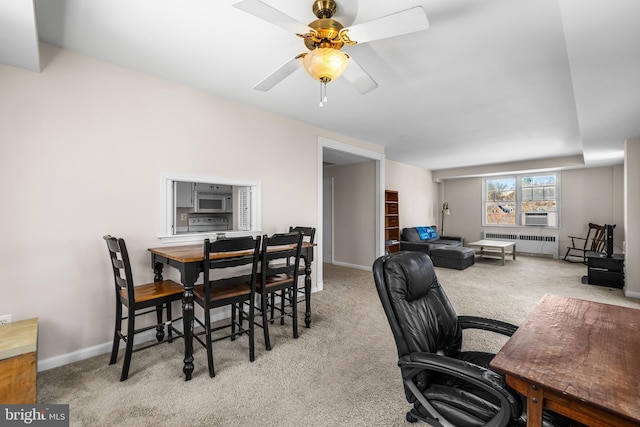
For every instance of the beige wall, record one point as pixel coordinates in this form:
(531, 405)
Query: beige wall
(417, 193)
(84, 146)
(354, 208)
(588, 195)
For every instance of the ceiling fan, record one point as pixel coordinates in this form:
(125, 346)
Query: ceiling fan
(324, 38)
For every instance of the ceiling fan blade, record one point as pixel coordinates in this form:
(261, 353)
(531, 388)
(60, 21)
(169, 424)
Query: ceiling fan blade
(396, 24)
(358, 77)
(272, 15)
(280, 74)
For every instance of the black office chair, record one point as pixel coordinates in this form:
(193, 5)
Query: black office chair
(229, 280)
(447, 387)
(151, 297)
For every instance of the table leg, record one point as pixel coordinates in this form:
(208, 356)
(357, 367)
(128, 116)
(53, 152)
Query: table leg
(534, 406)
(307, 292)
(189, 277)
(514, 251)
(187, 319)
(502, 255)
(157, 277)
(157, 271)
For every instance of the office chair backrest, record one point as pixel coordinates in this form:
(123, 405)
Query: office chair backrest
(417, 308)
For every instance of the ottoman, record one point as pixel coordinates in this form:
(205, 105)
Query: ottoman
(457, 257)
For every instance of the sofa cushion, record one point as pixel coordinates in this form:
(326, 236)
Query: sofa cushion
(445, 242)
(411, 235)
(457, 257)
(423, 232)
(453, 252)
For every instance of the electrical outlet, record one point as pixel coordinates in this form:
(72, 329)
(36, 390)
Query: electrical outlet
(183, 217)
(5, 319)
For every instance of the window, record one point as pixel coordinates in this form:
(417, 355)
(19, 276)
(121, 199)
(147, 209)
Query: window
(530, 200)
(196, 206)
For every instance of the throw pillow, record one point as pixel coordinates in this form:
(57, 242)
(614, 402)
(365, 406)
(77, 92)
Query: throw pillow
(423, 232)
(432, 233)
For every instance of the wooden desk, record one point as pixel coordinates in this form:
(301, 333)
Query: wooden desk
(189, 261)
(495, 248)
(578, 358)
(18, 346)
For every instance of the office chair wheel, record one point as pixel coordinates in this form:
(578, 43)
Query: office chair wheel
(411, 418)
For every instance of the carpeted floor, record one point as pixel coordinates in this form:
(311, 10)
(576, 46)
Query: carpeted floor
(340, 372)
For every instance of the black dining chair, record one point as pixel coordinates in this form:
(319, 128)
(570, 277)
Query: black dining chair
(229, 279)
(300, 294)
(279, 271)
(155, 297)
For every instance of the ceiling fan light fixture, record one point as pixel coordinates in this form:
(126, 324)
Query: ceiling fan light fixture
(325, 64)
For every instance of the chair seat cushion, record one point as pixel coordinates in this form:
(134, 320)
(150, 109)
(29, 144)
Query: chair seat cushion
(223, 292)
(154, 290)
(461, 405)
(445, 242)
(479, 358)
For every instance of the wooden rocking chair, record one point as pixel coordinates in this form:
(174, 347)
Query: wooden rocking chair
(594, 241)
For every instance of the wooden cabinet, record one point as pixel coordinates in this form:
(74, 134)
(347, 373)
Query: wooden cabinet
(391, 221)
(213, 188)
(18, 345)
(184, 194)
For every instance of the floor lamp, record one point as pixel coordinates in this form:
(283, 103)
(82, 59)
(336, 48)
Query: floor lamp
(445, 211)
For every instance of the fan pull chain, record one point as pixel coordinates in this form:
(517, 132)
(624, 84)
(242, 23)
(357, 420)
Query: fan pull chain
(323, 93)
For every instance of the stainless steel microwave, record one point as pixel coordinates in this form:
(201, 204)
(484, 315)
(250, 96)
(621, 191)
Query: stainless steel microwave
(213, 203)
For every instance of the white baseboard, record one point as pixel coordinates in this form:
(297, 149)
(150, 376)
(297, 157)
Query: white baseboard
(97, 350)
(357, 267)
(74, 356)
(631, 294)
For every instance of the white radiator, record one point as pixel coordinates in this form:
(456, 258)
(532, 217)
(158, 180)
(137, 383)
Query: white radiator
(528, 243)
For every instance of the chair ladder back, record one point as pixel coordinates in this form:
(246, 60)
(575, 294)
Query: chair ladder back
(122, 274)
(248, 249)
(307, 232)
(285, 247)
(598, 240)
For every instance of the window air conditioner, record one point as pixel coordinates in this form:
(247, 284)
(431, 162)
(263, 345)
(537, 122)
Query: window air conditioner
(536, 218)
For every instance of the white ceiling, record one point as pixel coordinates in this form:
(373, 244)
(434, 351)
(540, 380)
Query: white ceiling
(490, 81)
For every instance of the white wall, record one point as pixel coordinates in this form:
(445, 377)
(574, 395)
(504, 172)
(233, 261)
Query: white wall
(84, 146)
(417, 194)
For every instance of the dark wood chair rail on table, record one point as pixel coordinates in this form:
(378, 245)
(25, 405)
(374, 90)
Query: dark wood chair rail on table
(578, 358)
(189, 261)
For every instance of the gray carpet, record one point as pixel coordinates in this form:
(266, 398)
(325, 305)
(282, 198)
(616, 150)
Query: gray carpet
(340, 372)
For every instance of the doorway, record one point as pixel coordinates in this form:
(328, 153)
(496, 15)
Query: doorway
(331, 151)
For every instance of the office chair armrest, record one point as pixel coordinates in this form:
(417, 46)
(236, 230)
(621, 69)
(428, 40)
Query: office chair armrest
(492, 325)
(487, 380)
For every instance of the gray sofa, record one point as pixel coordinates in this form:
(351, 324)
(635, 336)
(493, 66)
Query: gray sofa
(410, 241)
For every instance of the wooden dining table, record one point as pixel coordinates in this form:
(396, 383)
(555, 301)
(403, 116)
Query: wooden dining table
(578, 358)
(189, 261)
